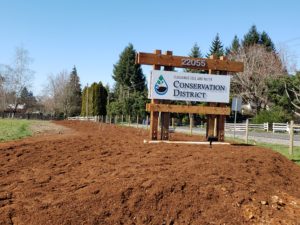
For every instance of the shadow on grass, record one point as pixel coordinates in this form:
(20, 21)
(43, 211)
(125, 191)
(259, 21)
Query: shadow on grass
(242, 144)
(295, 160)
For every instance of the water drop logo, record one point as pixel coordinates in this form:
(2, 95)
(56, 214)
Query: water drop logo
(161, 86)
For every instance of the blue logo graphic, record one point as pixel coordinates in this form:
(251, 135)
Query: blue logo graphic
(161, 86)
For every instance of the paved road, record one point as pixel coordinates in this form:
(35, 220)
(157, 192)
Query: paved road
(265, 137)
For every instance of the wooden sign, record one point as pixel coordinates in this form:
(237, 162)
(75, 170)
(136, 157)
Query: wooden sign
(186, 62)
(207, 110)
(215, 112)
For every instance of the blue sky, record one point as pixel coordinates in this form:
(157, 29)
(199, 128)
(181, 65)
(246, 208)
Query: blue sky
(92, 33)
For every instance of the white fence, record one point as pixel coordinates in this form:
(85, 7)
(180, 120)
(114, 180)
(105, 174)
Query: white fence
(88, 118)
(284, 127)
(280, 127)
(242, 126)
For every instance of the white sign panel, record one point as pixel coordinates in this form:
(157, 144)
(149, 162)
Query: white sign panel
(189, 86)
(236, 104)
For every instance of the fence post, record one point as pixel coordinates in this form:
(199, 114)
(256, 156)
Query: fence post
(122, 119)
(267, 126)
(173, 122)
(129, 120)
(137, 121)
(159, 120)
(247, 128)
(291, 137)
(191, 123)
(147, 122)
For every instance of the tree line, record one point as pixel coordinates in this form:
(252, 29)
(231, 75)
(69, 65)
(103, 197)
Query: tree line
(265, 85)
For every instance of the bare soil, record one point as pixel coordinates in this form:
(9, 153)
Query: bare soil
(105, 174)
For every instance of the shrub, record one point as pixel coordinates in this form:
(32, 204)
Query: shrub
(274, 115)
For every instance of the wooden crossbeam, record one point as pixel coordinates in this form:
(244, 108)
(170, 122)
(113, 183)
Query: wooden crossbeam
(210, 110)
(187, 62)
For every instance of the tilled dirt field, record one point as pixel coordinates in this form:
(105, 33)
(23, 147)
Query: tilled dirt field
(103, 174)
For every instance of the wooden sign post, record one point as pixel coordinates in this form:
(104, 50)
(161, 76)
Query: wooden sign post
(215, 112)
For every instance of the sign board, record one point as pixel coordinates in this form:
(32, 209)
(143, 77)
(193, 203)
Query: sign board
(187, 62)
(189, 86)
(236, 104)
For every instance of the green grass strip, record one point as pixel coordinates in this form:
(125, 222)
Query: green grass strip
(12, 129)
(282, 149)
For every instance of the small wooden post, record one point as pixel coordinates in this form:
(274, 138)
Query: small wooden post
(221, 119)
(129, 122)
(166, 115)
(215, 127)
(122, 119)
(210, 126)
(137, 121)
(110, 119)
(247, 129)
(147, 122)
(159, 121)
(154, 115)
(291, 138)
(191, 124)
(116, 119)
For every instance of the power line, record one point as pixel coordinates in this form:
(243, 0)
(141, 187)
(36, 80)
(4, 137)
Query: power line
(291, 40)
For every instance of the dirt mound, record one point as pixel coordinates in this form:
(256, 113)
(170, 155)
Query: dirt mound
(102, 174)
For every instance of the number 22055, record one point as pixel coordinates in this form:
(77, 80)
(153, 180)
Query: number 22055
(193, 62)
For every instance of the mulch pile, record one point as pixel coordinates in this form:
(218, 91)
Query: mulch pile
(105, 174)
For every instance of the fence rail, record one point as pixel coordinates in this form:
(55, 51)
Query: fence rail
(88, 118)
(243, 126)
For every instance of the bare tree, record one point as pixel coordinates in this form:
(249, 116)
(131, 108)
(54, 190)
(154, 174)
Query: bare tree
(259, 66)
(56, 94)
(2, 94)
(17, 76)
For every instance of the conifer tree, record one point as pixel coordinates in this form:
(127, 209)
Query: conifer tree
(74, 93)
(195, 53)
(102, 101)
(126, 73)
(267, 42)
(254, 37)
(130, 82)
(216, 47)
(235, 45)
(251, 38)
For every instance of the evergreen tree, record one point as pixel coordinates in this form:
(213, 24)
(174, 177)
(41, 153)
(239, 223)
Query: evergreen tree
(130, 83)
(254, 37)
(216, 47)
(91, 99)
(27, 98)
(97, 100)
(74, 90)
(126, 73)
(235, 45)
(102, 101)
(195, 53)
(267, 42)
(251, 38)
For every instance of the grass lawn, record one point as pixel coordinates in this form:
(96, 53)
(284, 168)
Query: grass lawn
(12, 129)
(283, 149)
